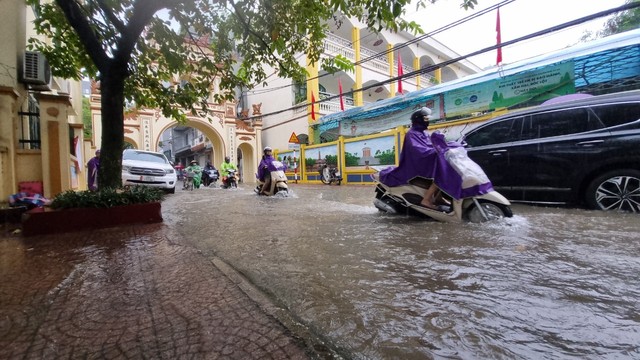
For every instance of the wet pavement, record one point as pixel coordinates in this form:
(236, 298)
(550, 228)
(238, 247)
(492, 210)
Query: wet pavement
(132, 292)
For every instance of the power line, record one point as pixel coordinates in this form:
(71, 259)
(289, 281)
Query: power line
(478, 52)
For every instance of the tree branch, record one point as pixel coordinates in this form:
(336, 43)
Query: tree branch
(73, 12)
(143, 11)
(108, 13)
(252, 32)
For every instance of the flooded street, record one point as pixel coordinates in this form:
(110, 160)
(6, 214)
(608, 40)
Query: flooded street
(546, 284)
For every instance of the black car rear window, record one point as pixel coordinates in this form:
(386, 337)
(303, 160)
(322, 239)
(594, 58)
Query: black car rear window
(617, 114)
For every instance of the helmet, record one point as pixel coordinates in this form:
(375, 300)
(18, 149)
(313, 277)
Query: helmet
(267, 148)
(421, 117)
(193, 162)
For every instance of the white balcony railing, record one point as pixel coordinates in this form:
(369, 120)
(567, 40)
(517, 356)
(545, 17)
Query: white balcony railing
(335, 45)
(379, 62)
(326, 107)
(405, 68)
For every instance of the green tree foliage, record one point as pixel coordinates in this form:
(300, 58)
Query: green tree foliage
(331, 159)
(621, 22)
(86, 118)
(387, 157)
(310, 162)
(136, 53)
(351, 159)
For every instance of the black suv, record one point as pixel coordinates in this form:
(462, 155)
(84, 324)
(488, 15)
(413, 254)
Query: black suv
(580, 152)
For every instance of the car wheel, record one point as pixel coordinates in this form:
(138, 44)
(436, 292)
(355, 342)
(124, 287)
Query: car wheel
(616, 190)
(172, 190)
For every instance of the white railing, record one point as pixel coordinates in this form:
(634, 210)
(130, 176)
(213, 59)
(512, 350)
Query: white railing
(379, 62)
(332, 106)
(326, 107)
(405, 68)
(334, 45)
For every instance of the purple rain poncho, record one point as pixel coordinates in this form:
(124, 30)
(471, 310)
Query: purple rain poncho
(93, 167)
(267, 165)
(434, 158)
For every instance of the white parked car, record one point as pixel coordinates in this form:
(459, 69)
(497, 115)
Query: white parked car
(148, 168)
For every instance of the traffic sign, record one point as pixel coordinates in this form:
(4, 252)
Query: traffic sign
(294, 146)
(293, 138)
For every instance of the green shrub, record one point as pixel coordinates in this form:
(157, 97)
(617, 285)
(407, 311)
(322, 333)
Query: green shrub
(106, 198)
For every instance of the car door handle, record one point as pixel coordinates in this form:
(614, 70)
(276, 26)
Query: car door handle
(498, 152)
(590, 143)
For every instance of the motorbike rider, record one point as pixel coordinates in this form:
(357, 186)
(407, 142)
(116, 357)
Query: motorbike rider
(264, 175)
(417, 158)
(197, 173)
(224, 169)
(206, 178)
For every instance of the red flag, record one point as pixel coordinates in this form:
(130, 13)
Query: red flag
(400, 73)
(313, 111)
(499, 40)
(341, 100)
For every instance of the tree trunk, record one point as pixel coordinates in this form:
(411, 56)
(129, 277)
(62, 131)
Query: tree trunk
(112, 102)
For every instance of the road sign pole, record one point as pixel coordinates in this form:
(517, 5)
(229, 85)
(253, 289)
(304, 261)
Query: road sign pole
(295, 167)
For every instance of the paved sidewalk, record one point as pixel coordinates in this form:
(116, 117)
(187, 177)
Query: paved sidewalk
(129, 292)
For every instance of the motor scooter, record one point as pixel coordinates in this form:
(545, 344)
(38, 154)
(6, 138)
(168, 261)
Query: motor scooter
(329, 175)
(278, 184)
(210, 177)
(231, 180)
(473, 206)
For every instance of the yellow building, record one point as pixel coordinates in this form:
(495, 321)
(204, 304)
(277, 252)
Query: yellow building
(41, 137)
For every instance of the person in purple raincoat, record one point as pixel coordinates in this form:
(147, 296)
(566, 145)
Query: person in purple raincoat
(458, 175)
(93, 167)
(265, 168)
(417, 158)
(432, 157)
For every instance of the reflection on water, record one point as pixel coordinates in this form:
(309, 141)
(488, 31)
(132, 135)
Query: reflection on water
(547, 283)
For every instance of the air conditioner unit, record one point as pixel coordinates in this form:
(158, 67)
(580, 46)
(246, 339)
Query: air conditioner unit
(35, 69)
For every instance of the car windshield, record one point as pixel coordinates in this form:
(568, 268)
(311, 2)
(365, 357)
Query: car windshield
(144, 156)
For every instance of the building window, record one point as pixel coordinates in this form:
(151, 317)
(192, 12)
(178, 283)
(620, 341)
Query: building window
(30, 124)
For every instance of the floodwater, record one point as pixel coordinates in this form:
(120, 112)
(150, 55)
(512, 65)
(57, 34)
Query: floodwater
(549, 283)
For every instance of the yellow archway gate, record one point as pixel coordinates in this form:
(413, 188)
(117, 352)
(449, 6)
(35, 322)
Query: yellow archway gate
(229, 135)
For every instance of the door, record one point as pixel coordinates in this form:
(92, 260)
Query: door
(489, 146)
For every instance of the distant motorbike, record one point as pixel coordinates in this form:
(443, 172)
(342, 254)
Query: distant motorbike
(188, 183)
(231, 180)
(278, 184)
(329, 175)
(209, 177)
(476, 207)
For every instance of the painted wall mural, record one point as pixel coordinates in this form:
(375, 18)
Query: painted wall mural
(373, 151)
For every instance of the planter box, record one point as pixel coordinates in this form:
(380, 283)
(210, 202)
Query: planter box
(41, 221)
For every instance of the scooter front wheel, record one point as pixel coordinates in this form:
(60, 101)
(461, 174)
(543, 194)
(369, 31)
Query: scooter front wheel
(492, 211)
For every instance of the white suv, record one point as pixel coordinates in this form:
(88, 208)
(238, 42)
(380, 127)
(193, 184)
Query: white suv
(148, 168)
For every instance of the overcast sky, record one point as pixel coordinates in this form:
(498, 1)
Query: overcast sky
(517, 19)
